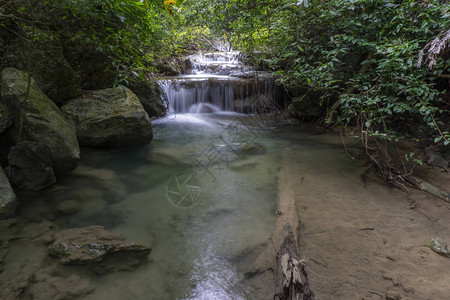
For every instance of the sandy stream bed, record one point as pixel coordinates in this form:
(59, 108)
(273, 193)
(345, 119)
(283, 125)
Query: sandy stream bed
(364, 240)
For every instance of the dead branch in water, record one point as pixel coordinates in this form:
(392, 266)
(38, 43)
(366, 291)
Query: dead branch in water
(400, 179)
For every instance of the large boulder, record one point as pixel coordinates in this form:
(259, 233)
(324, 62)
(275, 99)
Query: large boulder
(31, 166)
(8, 200)
(52, 72)
(42, 120)
(109, 117)
(152, 97)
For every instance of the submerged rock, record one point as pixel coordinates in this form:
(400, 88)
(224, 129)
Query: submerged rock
(68, 207)
(91, 245)
(14, 288)
(104, 180)
(109, 117)
(42, 120)
(8, 200)
(51, 284)
(31, 166)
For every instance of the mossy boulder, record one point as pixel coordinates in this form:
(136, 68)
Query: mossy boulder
(8, 200)
(42, 120)
(109, 117)
(52, 72)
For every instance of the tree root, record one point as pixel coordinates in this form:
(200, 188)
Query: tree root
(400, 179)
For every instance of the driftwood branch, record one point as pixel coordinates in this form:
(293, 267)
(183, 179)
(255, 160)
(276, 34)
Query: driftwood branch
(400, 179)
(427, 187)
(291, 278)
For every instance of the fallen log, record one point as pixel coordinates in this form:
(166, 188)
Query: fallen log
(291, 279)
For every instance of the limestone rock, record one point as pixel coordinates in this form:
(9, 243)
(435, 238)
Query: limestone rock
(8, 200)
(42, 120)
(109, 117)
(92, 244)
(151, 96)
(31, 166)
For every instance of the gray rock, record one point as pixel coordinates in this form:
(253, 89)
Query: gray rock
(90, 245)
(109, 117)
(42, 120)
(52, 72)
(151, 96)
(8, 200)
(436, 160)
(31, 166)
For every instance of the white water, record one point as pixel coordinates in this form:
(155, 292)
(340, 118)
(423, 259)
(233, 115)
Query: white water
(222, 80)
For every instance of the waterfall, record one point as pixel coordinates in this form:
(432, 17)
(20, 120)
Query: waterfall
(221, 82)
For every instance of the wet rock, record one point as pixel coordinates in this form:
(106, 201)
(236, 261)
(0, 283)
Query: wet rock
(42, 120)
(52, 284)
(435, 158)
(68, 207)
(8, 200)
(109, 117)
(151, 96)
(31, 166)
(91, 245)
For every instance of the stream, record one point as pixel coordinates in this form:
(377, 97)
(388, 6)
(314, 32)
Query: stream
(203, 194)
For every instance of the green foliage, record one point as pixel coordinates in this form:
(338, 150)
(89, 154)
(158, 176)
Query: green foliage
(362, 53)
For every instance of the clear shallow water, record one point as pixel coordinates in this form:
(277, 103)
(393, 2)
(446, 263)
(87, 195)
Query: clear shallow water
(200, 251)
(203, 249)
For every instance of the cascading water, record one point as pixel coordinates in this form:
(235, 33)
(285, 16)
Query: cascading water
(220, 79)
